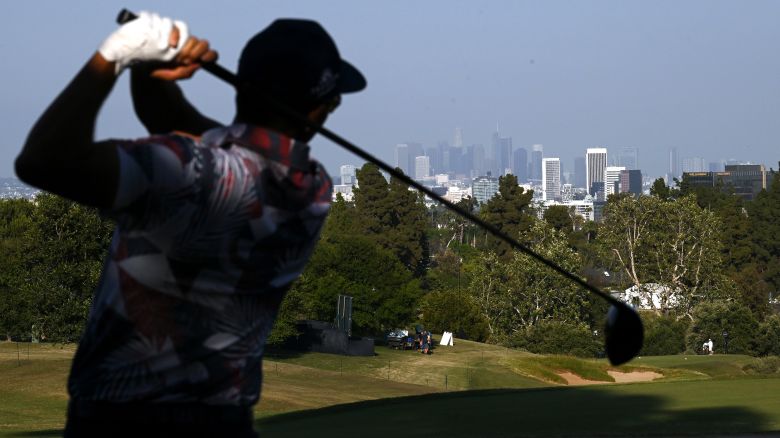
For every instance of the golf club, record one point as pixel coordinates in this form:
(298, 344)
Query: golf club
(623, 332)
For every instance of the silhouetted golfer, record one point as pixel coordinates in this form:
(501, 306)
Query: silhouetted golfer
(212, 227)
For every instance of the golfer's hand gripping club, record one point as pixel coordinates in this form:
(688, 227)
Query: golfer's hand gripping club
(144, 38)
(623, 329)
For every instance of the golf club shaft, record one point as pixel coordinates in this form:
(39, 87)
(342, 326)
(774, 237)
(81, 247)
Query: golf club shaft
(229, 77)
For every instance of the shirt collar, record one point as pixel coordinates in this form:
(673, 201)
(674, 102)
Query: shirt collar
(269, 144)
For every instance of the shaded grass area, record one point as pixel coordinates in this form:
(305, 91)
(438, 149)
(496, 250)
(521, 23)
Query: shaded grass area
(656, 409)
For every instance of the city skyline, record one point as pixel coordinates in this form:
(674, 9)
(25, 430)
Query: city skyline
(687, 75)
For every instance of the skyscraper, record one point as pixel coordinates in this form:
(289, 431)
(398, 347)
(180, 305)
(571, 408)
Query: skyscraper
(693, 164)
(520, 165)
(415, 150)
(504, 160)
(580, 174)
(433, 153)
(631, 181)
(422, 167)
(347, 172)
(457, 140)
(537, 153)
(628, 158)
(612, 180)
(674, 165)
(402, 157)
(595, 165)
(551, 179)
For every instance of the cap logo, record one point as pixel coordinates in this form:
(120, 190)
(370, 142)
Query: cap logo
(326, 84)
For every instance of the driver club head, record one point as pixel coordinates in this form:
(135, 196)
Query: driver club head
(624, 333)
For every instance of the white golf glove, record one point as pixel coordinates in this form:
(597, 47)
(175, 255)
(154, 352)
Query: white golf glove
(144, 39)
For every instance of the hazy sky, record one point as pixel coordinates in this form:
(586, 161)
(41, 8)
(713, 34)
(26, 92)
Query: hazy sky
(702, 76)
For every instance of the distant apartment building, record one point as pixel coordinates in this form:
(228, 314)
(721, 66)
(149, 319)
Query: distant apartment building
(567, 192)
(595, 166)
(551, 179)
(484, 188)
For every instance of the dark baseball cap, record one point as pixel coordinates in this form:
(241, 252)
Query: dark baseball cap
(297, 60)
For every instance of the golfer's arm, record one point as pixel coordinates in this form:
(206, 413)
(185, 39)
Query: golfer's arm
(60, 155)
(162, 107)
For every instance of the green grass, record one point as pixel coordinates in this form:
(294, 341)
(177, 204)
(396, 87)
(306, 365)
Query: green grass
(467, 390)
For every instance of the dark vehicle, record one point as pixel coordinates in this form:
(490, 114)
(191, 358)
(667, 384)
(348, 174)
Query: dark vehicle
(400, 340)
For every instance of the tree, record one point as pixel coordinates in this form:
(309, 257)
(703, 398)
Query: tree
(712, 319)
(510, 211)
(50, 280)
(394, 216)
(455, 312)
(519, 293)
(674, 243)
(764, 212)
(384, 293)
(560, 217)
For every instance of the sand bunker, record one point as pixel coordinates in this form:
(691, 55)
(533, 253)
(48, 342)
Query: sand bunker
(620, 377)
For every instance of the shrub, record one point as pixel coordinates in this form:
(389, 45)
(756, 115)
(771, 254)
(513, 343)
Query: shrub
(712, 319)
(558, 337)
(663, 335)
(768, 340)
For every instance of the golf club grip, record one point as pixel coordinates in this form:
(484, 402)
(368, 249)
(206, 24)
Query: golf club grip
(212, 67)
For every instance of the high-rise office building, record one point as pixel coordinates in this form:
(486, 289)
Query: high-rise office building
(422, 167)
(402, 157)
(504, 159)
(674, 165)
(433, 153)
(457, 140)
(347, 172)
(415, 150)
(551, 179)
(535, 163)
(693, 164)
(520, 165)
(595, 165)
(631, 181)
(628, 158)
(476, 160)
(580, 174)
(444, 157)
(612, 180)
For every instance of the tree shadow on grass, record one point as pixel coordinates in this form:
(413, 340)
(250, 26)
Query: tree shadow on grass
(561, 412)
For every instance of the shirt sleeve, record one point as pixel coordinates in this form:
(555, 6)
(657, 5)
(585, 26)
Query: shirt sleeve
(152, 169)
